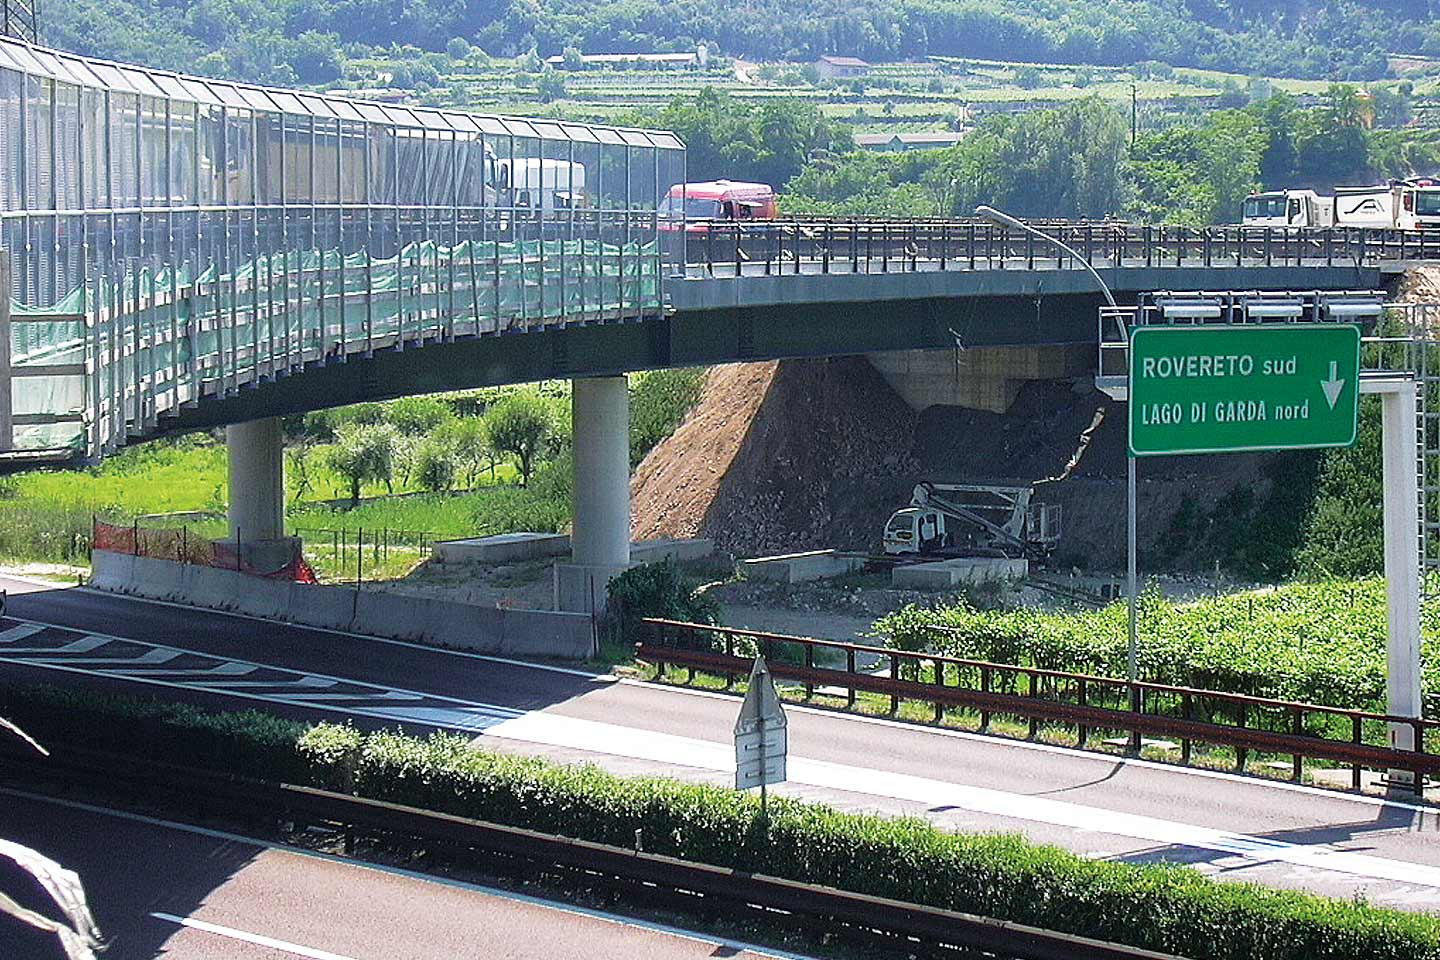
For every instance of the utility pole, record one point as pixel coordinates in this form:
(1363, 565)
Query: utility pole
(1134, 111)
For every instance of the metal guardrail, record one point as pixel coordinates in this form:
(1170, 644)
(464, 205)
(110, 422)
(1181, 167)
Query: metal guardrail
(645, 877)
(1088, 703)
(728, 248)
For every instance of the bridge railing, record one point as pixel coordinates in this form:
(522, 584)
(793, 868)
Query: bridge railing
(796, 245)
(121, 352)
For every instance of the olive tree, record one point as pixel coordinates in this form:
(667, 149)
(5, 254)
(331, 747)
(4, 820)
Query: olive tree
(363, 454)
(521, 425)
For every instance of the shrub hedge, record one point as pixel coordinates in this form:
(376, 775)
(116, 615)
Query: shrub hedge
(1316, 642)
(1167, 908)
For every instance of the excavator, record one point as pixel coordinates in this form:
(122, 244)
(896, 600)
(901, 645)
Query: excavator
(981, 519)
(972, 519)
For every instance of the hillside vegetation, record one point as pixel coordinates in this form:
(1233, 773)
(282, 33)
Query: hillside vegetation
(274, 39)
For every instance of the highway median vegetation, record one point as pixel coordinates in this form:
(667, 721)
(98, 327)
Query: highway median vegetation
(1318, 643)
(1167, 908)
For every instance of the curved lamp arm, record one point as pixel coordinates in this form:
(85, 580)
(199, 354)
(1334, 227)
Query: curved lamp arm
(1004, 219)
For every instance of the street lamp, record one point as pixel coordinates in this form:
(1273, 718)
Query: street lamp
(987, 212)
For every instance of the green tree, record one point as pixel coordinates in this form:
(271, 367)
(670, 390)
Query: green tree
(435, 465)
(522, 426)
(418, 415)
(1279, 158)
(550, 86)
(574, 59)
(363, 454)
(457, 49)
(473, 453)
(315, 57)
(1343, 537)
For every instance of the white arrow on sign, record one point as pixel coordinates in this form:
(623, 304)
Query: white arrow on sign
(1332, 387)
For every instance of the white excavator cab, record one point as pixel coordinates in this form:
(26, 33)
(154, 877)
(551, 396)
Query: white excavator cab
(984, 519)
(914, 530)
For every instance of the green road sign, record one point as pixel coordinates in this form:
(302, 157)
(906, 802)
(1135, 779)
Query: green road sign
(1220, 389)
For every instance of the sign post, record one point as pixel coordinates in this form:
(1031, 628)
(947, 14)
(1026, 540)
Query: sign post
(761, 741)
(1226, 389)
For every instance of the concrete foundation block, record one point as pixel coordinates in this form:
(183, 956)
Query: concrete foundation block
(679, 550)
(800, 567)
(502, 548)
(946, 574)
(582, 587)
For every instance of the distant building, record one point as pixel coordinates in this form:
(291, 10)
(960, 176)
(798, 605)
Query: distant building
(841, 68)
(595, 61)
(900, 142)
(382, 94)
(1408, 64)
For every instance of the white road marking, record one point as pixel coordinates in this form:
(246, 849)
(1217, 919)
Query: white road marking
(20, 632)
(83, 645)
(358, 695)
(258, 939)
(498, 893)
(590, 675)
(595, 737)
(148, 658)
(615, 740)
(226, 669)
(315, 682)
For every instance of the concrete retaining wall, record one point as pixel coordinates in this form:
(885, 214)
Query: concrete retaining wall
(507, 632)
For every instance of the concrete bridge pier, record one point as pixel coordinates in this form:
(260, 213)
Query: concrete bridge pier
(600, 534)
(256, 467)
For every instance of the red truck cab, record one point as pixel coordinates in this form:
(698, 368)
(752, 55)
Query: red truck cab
(718, 200)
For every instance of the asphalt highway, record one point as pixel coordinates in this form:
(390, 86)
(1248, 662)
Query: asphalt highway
(167, 890)
(1233, 827)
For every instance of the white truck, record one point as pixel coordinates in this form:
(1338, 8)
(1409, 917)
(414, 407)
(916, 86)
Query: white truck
(548, 186)
(1412, 204)
(1288, 208)
(957, 519)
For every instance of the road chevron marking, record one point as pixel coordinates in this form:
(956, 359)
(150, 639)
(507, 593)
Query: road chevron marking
(550, 729)
(20, 632)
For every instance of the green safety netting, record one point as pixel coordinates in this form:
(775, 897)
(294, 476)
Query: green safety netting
(290, 304)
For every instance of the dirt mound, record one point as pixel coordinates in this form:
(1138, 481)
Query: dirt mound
(677, 482)
(1420, 285)
(781, 456)
(800, 455)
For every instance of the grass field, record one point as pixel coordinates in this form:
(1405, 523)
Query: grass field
(45, 515)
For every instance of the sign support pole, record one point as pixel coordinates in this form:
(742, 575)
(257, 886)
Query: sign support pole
(764, 812)
(1402, 573)
(1132, 665)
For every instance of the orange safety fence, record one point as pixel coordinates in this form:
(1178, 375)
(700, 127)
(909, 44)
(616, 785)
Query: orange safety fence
(176, 544)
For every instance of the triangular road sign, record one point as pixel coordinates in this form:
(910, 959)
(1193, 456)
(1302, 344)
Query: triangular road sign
(762, 701)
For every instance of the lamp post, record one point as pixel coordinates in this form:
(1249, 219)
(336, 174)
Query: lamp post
(1132, 664)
